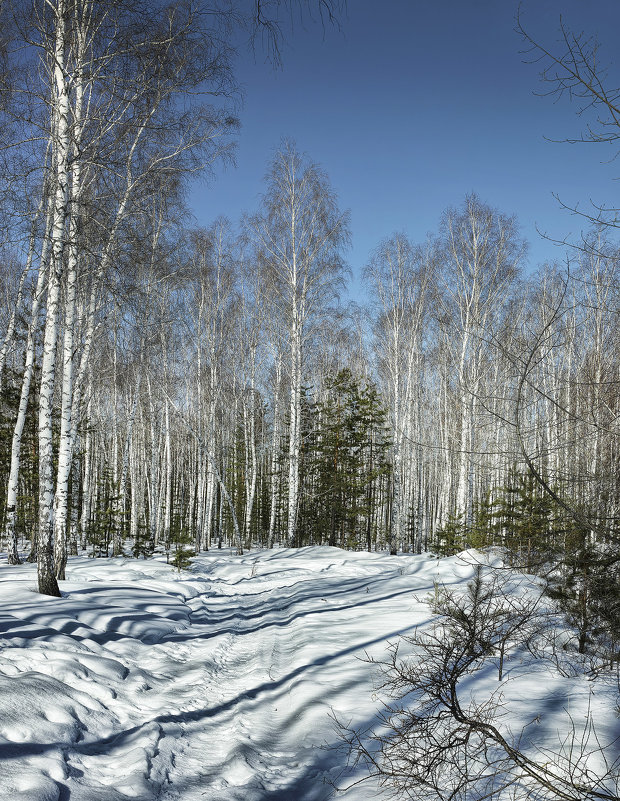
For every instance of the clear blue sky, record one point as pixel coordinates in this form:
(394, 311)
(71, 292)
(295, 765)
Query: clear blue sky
(412, 105)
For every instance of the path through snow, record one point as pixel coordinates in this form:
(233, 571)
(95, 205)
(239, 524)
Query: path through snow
(216, 684)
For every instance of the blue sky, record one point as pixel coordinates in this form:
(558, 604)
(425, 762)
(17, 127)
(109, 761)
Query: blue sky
(412, 105)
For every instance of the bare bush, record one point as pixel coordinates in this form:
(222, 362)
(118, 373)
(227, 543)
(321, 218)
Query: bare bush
(438, 740)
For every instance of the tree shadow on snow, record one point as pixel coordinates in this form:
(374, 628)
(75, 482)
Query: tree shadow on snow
(276, 602)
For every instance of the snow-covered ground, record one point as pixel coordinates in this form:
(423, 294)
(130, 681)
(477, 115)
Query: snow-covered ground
(217, 683)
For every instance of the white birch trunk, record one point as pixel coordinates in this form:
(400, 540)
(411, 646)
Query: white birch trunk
(8, 338)
(86, 478)
(274, 478)
(119, 505)
(154, 472)
(60, 109)
(67, 428)
(16, 443)
(464, 425)
(294, 431)
(249, 413)
(211, 480)
(136, 492)
(168, 477)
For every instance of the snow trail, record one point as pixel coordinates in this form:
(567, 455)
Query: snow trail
(214, 684)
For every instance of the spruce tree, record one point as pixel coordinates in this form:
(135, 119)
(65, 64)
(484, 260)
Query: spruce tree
(349, 457)
(451, 538)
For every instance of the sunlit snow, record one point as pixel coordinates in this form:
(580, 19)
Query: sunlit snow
(220, 682)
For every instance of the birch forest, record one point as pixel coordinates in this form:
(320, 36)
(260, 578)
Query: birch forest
(173, 388)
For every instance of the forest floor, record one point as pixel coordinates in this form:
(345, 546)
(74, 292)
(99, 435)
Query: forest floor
(220, 683)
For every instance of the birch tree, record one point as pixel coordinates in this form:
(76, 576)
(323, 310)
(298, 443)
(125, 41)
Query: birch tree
(300, 234)
(16, 442)
(214, 303)
(129, 92)
(479, 253)
(398, 277)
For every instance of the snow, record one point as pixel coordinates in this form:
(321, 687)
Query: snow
(221, 682)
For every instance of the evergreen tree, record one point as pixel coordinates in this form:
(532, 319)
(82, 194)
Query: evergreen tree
(525, 517)
(586, 585)
(375, 444)
(180, 542)
(143, 545)
(484, 529)
(101, 528)
(349, 455)
(451, 538)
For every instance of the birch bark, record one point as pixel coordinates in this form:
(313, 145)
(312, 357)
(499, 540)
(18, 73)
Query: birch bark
(298, 237)
(16, 443)
(7, 343)
(274, 473)
(65, 448)
(62, 149)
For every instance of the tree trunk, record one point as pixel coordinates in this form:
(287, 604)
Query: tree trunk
(274, 477)
(16, 444)
(294, 434)
(60, 106)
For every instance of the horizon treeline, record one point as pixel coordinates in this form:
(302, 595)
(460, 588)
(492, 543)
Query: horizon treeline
(175, 387)
(414, 419)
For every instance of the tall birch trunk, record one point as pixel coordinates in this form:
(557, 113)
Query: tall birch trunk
(154, 471)
(274, 478)
(119, 503)
(87, 479)
(65, 449)
(464, 424)
(396, 512)
(168, 477)
(251, 470)
(294, 432)
(10, 332)
(60, 109)
(18, 431)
